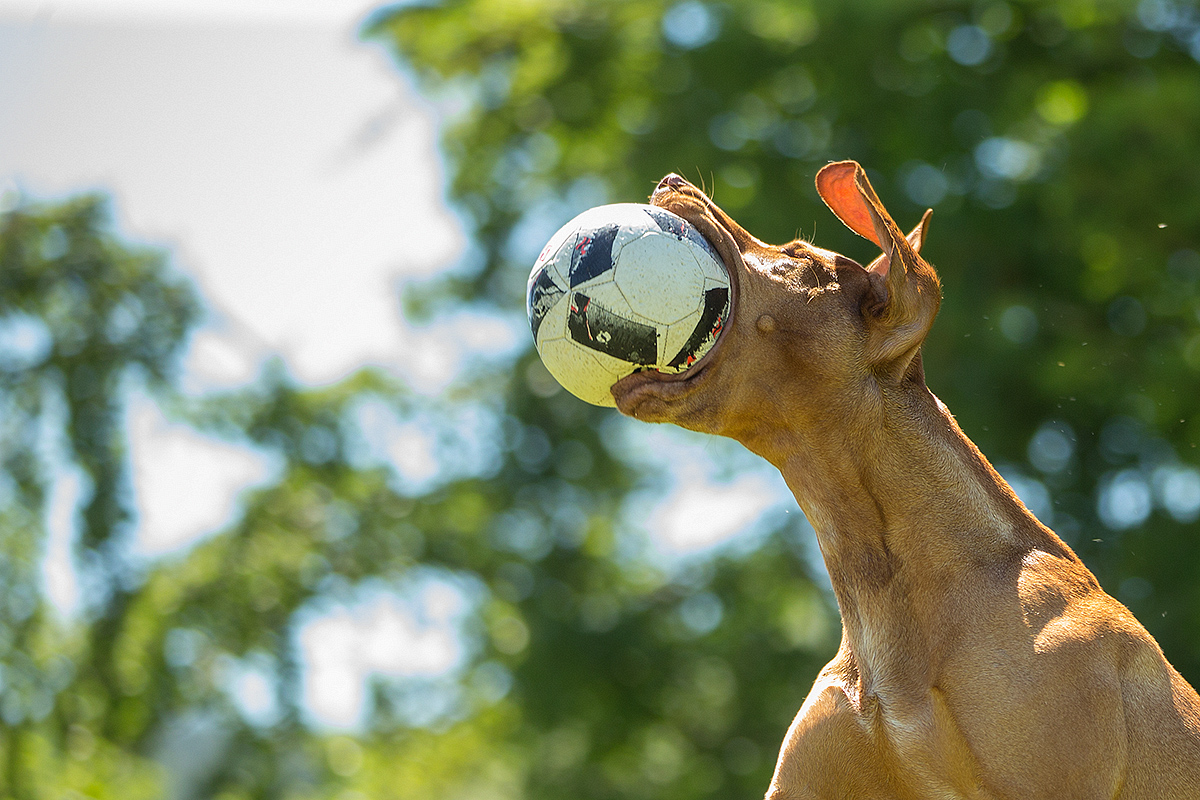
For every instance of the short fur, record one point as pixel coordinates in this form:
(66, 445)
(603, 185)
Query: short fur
(979, 657)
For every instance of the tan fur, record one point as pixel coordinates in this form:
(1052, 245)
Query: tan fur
(979, 658)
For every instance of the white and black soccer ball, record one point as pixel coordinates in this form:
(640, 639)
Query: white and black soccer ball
(621, 288)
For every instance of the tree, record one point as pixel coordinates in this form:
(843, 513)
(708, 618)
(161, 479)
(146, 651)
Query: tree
(1053, 141)
(81, 316)
(590, 667)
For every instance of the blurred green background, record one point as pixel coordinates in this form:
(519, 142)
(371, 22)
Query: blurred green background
(1059, 145)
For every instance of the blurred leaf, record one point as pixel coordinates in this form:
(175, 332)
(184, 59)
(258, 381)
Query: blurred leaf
(1055, 142)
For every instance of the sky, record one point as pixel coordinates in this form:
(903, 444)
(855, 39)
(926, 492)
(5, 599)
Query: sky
(289, 168)
(292, 172)
(331, 13)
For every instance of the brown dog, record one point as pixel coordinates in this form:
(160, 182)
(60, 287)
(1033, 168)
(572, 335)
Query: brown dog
(979, 656)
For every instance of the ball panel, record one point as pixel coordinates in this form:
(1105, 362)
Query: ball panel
(659, 279)
(546, 278)
(581, 372)
(559, 262)
(706, 332)
(554, 322)
(668, 221)
(630, 233)
(544, 292)
(562, 240)
(676, 336)
(591, 255)
(713, 264)
(608, 293)
(672, 223)
(623, 215)
(593, 325)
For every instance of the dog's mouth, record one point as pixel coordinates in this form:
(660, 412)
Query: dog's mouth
(633, 390)
(679, 197)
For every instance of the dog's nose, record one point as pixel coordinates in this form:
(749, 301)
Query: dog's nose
(672, 181)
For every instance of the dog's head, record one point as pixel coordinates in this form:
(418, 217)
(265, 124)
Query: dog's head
(810, 330)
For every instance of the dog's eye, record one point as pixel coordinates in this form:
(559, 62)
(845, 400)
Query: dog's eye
(797, 249)
(800, 256)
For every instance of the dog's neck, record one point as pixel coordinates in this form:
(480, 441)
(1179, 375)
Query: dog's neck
(907, 512)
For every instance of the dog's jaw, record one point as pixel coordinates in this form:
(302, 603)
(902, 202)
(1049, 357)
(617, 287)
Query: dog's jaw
(653, 396)
(774, 311)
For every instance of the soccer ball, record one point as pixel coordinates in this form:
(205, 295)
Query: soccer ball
(622, 288)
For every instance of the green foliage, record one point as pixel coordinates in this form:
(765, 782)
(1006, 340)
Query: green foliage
(82, 315)
(584, 674)
(1054, 140)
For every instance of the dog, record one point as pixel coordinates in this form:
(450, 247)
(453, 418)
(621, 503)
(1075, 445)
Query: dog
(979, 656)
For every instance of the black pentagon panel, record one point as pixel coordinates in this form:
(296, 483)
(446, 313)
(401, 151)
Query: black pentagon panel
(671, 223)
(594, 326)
(697, 237)
(543, 294)
(592, 255)
(712, 322)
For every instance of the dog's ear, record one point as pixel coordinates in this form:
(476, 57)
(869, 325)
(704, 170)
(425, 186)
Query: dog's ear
(906, 290)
